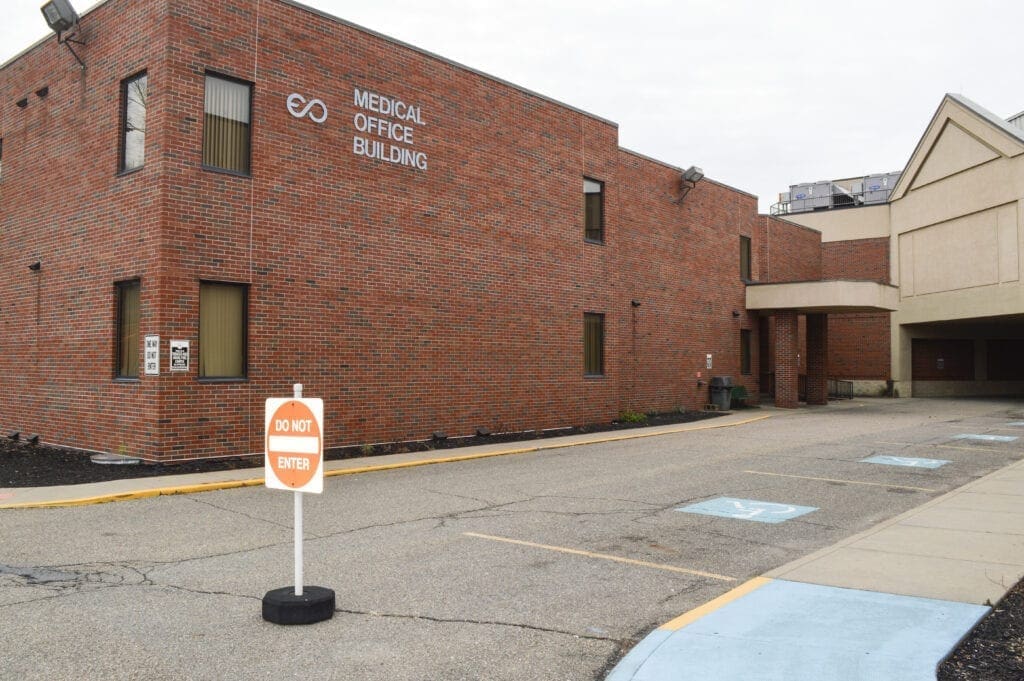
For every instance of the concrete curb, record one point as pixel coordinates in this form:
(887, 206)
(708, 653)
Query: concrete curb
(345, 468)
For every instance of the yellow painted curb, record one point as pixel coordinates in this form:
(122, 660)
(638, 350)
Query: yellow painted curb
(232, 484)
(709, 607)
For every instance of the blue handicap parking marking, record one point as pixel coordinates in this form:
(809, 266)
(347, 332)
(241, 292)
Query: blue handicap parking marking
(1016, 423)
(913, 462)
(986, 438)
(748, 509)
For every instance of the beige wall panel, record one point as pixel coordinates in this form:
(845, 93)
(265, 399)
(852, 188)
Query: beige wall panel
(906, 276)
(846, 224)
(1009, 244)
(954, 152)
(958, 254)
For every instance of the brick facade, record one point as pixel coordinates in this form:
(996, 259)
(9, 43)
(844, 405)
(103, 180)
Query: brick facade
(858, 343)
(410, 300)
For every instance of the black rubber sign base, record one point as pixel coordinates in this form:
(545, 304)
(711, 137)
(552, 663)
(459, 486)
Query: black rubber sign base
(282, 606)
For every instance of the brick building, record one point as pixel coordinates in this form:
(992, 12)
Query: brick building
(263, 194)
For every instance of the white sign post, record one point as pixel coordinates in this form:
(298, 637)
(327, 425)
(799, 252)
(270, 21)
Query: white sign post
(293, 460)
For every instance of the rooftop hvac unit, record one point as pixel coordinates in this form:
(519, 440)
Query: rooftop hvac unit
(878, 187)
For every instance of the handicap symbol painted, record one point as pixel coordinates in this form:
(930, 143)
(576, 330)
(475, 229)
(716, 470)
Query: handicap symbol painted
(986, 438)
(913, 462)
(1016, 423)
(748, 509)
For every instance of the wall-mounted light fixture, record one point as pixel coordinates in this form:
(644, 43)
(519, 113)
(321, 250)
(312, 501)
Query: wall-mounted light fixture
(691, 176)
(36, 266)
(22, 103)
(735, 313)
(61, 17)
(635, 303)
(43, 91)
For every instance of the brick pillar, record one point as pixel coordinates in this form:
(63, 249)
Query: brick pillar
(786, 370)
(817, 359)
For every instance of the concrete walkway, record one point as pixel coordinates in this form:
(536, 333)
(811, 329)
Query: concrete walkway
(888, 603)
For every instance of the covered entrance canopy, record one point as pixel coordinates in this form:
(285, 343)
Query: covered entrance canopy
(785, 302)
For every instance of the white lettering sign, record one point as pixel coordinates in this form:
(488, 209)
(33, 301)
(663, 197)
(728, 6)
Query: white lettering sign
(387, 128)
(151, 357)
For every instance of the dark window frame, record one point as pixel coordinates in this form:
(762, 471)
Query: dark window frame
(746, 258)
(122, 147)
(587, 228)
(202, 147)
(120, 287)
(594, 367)
(244, 376)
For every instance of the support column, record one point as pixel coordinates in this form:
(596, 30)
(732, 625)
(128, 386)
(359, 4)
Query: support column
(786, 341)
(817, 359)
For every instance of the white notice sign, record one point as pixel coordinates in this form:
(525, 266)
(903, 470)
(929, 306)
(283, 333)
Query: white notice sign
(151, 356)
(179, 355)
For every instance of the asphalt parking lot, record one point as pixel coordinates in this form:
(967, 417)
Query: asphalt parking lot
(545, 565)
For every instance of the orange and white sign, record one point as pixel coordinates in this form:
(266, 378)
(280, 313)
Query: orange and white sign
(294, 447)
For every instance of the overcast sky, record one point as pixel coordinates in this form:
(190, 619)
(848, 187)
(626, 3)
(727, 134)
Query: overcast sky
(759, 94)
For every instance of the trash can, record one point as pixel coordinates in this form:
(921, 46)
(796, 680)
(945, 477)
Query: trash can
(721, 392)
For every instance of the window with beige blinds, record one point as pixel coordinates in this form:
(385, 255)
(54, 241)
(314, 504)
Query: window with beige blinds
(593, 344)
(222, 337)
(226, 124)
(128, 329)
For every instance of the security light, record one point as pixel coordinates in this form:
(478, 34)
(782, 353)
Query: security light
(60, 15)
(36, 266)
(693, 174)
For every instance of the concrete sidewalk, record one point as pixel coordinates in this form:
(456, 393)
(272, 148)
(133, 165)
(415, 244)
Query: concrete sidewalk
(140, 488)
(888, 603)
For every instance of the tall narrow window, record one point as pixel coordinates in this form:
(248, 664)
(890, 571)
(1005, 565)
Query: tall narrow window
(1, 157)
(226, 124)
(593, 344)
(128, 329)
(134, 92)
(744, 351)
(222, 333)
(745, 258)
(593, 209)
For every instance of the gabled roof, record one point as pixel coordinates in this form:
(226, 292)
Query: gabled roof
(980, 135)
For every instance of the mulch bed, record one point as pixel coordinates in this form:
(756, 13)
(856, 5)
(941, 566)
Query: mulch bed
(994, 650)
(26, 465)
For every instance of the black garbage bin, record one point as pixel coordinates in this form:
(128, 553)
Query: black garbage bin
(721, 392)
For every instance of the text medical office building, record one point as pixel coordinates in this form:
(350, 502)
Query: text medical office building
(231, 197)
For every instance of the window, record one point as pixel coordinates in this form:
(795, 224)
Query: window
(128, 329)
(1, 157)
(226, 124)
(133, 122)
(745, 351)
(593, 209)
(222, 332)
(745, 258)
(593, 344)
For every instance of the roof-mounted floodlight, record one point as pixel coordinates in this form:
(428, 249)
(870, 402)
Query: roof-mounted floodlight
(691, 176)
(61, 17)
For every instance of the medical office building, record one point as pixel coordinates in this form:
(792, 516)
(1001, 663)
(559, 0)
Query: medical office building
(232, 197)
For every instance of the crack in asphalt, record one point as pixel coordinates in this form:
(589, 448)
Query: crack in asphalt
(488, 623)
(198, 500)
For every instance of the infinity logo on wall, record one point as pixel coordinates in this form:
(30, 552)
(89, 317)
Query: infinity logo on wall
(298, 106)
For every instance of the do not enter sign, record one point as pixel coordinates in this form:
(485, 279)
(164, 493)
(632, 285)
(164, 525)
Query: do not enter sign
(295, 444)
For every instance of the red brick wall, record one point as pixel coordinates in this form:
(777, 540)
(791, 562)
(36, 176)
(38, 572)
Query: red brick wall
(63, 204)
(410, 301)
(858, 343)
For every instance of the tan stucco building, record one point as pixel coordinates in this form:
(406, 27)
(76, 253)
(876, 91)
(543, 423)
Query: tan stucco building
(954, 226)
